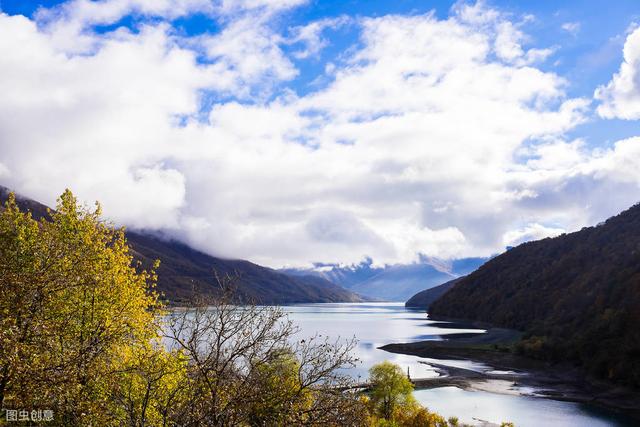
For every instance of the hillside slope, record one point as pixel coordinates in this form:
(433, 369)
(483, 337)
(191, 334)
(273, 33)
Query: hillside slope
(184, 270)
(424, 299)
(577, 296)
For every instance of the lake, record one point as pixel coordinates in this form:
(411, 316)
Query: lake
(377, 324)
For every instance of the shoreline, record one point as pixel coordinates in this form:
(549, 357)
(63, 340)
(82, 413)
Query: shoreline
(561, 382)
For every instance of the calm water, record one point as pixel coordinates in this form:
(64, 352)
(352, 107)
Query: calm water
(377, 324)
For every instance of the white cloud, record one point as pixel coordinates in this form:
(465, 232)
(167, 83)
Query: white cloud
(557, 155)
(508, 41)
(530, 232)
(310, 35)
(507, 36)
(571, 27)
(96, 123)
(433, 136)
(69, 24)
(84, 13)
(250, 51)
(87, 12)
(620, 98)
(475, 13)
(231, 6)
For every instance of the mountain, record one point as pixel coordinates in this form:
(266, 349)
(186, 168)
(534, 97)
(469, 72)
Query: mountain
(393, 282)
(184, 270)
(399, 282)
(576, 296)
(424, 299)
(347, 276)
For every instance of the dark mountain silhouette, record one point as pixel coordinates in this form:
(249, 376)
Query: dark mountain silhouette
(577, 297)
(184, 270)
(424, 299)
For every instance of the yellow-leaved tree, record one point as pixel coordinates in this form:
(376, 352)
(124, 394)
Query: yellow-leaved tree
(392, 404)
(76, 314)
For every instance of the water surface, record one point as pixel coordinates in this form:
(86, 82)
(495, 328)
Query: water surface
(377, 324)
(373, 325)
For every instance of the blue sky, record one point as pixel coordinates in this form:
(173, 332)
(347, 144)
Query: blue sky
(588, 59)
(292, 132)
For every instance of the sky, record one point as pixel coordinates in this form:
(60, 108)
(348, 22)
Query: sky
(295, 132)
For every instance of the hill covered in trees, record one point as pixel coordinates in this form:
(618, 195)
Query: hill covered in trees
(424, 299)
(184, 270)
(577, 297)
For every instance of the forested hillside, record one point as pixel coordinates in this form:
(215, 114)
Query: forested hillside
(184, 270)
(577, 296)
(424, 299)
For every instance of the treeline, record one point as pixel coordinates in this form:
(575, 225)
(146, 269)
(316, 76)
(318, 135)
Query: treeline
(577, 296)
(84, 341)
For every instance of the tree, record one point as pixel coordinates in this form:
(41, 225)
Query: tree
(390, 389)
(246, 367)
(391, 402)
(73, 303)
(148, 389)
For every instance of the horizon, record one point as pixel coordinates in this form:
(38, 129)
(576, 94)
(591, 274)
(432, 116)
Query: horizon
(293, 133)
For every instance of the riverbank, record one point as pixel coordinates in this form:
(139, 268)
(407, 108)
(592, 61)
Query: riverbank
(514, 374)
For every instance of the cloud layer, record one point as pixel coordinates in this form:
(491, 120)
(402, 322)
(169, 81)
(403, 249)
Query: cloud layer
(621, 96)
(440, 137)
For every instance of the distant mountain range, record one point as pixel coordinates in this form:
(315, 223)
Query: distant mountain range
(577, 297)
(184, 270)
(395, 282)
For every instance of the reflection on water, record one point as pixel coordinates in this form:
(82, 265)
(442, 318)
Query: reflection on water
(471, 406)
(377, 324)
(464, 364)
